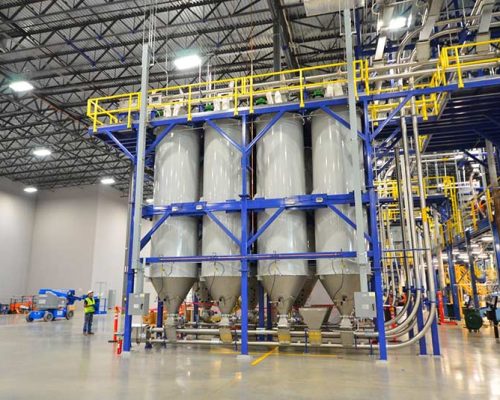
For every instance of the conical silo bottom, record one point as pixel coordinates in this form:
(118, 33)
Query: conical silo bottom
(341, 288)
(283, 290)
(172, 291)
(225, 290)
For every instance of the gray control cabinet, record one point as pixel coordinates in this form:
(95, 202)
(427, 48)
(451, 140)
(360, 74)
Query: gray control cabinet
(364, 304)
(138, 304)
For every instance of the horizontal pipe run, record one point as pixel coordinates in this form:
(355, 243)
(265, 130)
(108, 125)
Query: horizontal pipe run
(215, 332)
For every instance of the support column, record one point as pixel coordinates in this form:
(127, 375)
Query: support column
(244, 239)
(135, 233)
(376, 248)
(354, 150)
(495, 195)
(453, 283)
(473, 282)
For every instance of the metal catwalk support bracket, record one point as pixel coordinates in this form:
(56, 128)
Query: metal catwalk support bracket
(338, 118)
(224, 135)
(145, 240)
(265, 225)
(219, 223)
(160, 137)
(390, 117)
(347, 220)
(119, 144)
(266, 129)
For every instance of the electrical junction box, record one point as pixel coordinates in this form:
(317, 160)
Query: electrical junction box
(138, 303)
(364, 304)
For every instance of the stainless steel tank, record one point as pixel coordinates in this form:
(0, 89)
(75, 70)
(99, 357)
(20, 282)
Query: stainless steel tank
(222, 179)
(176, 180)
(332, 163)
(281, 173)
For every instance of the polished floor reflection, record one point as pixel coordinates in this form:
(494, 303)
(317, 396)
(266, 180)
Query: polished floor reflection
(55, 361)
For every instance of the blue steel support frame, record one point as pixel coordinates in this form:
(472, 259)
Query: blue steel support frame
(127, 326)
(245, 158)
(307, 202)
(375, 244)
(496, 246)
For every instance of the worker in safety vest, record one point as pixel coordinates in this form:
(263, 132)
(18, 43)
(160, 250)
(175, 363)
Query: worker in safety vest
(89, 309)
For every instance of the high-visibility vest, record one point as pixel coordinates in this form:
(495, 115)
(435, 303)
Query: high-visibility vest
(89, 305)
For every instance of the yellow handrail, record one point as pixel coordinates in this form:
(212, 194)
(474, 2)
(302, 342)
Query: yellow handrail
(120, 108)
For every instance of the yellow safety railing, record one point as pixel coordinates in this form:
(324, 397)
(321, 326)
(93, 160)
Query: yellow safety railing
(466, 57)
(294, 85)
(433, 185)
(478, 208)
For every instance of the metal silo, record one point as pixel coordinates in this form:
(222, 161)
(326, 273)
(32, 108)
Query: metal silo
(281, 173)
(222, 179)
(176, 180)
(332, 163)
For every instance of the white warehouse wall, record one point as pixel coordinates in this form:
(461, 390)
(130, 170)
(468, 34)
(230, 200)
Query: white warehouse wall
(17, 213)
(79, 239)
(109, 243)
(63, 239)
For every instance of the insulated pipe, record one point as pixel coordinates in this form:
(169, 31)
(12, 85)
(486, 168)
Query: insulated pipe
(412, 230)
(439, 253)
(216, 332)
(402, 217)
(431, 287)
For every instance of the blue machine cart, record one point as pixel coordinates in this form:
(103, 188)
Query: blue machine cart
(53, 304)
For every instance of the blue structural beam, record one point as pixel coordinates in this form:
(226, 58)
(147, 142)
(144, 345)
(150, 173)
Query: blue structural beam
(301, 202)
(376, 254)
(245, 205)
(253, 257)
(245, 160)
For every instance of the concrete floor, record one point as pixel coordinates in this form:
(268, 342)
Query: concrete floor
(55, 361)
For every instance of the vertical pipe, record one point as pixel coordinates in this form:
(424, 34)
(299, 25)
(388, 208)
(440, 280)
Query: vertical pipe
(139, 175)
(473, 282)
(244, 239)
(453, 283)
(136, 216)
(276, 48)
(354, 150)
(129, 274)
(412, 229)
(431, 287)
(262, 307)
(377, 260)
(269, 316)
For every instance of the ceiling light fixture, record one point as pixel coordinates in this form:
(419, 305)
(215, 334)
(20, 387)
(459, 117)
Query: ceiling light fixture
(398, 23)
(21, 86)
(42, 152)
(107, 181)
(187, 62)
(30, 189)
